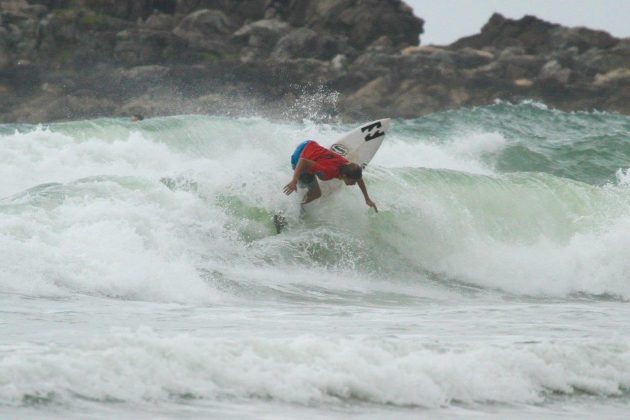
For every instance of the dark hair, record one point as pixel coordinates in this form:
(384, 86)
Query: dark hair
(351, 170)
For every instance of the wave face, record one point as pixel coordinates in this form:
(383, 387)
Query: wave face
(498, 262)
(517, 198)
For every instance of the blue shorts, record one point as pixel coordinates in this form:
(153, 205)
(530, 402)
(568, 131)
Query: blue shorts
(306, 180)
(297, 153)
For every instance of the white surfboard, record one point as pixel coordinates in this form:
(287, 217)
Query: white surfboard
(358, 146)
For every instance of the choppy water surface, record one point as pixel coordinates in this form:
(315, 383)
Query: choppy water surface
(141, 276)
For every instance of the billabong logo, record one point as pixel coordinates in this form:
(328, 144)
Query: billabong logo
(369, 128)
(340, 149)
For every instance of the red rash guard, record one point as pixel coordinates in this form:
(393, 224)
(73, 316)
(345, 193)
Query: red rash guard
(327, 162)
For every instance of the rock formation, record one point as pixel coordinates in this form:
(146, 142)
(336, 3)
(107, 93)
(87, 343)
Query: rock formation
(71, 59)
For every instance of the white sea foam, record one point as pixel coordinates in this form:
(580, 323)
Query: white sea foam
(528, 235)
(593, 263)
(43, 156)
(477, 145)
(623, 176)
(465, 152)
(141, 366)
(115, 246)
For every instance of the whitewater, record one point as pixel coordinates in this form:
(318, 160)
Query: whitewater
(141, 275)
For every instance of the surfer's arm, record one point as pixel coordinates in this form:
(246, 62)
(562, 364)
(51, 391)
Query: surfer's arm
(369, 202)
(302, 166)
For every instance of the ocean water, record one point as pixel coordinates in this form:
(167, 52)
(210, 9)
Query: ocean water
(141, 276)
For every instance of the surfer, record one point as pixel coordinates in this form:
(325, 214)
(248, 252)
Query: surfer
(310, 160)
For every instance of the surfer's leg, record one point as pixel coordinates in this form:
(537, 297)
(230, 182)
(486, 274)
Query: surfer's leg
(313, 193)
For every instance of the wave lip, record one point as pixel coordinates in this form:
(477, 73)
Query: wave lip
(142, 367)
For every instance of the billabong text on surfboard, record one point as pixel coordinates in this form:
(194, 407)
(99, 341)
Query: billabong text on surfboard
(369, 128)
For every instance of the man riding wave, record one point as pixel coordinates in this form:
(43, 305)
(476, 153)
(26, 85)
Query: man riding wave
(310, 160)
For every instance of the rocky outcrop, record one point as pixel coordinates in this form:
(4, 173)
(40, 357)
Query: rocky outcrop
(357, 59)
(534, 36)
(363, 22)
(306, 43)
(260, 37)
(205, 30)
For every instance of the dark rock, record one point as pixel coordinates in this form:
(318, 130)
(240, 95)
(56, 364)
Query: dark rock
(77, 38)
(420, 99)
(260, 37)
(5, 52)
(581, 38)
(382, 45)
(535, 36)
(127, 9)
(205, 29)
(596, 61)
(427, 64)
(22, 75)
(160, 21)
(368, 100)
(240, 11)
(306, 43)
(66, 107)
(613, 78)
(262, 34)
(368, 67)
(470, 58)
(63, 59)
(339, 62)
(138, 47)
(384, 42)
(47, 3)
(514, 67)
(552, 70)
(530, 33)
(140, 79)
(413, 99)
(619, 101)
(362, 21)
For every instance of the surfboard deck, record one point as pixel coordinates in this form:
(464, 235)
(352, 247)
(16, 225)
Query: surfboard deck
(358, 146)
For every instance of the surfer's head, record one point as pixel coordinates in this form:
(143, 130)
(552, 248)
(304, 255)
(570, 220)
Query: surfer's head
(350, 173)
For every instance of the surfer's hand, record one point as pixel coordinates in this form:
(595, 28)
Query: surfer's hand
(371, 204)
(290, 187)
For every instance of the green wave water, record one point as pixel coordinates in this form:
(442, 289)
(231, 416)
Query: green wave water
(584, 146)
(141, 274)
(518, 198)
